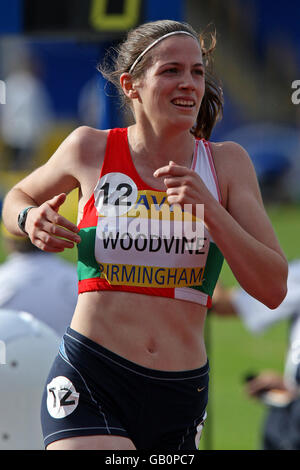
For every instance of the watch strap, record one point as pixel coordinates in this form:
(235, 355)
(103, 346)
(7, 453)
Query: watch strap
(22, 218)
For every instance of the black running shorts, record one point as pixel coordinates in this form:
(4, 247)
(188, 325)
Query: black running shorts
(93, 391)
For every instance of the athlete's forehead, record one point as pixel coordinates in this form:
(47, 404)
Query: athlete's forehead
(177, 49)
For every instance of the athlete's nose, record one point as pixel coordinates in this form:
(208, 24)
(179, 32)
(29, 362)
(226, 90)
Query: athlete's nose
(187, 82)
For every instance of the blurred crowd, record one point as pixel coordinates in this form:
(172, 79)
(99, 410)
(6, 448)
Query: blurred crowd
(38, 290)
(38, 295)
(280, 393)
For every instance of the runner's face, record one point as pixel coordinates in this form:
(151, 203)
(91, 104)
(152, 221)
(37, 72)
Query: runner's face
(172, 88)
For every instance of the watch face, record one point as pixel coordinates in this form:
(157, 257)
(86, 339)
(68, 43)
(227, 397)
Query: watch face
(22, 218)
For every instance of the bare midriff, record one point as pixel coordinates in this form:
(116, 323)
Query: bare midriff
(155, 332)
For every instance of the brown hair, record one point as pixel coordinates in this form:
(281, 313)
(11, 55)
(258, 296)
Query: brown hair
(138, 40)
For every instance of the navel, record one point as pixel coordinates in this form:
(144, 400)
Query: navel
(151, 347)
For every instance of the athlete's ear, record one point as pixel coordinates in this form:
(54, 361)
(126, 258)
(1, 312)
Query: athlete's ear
(128, 86)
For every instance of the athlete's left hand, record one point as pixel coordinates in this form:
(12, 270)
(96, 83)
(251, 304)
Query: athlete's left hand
(184, 185)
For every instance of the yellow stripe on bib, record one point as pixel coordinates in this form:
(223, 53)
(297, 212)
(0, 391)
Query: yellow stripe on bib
(151, 276)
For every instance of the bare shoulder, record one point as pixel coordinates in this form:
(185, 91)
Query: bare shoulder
(75, 164)
(89, 136)
(79, 154)
(229, 154)
(87, 143)
(233, 166)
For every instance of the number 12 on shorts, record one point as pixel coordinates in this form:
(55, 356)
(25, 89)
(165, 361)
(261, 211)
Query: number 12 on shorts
(62, 397)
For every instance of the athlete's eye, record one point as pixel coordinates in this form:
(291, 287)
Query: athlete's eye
(171, 70)
(199, 72)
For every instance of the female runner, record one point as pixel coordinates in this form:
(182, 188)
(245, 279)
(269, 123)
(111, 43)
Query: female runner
(132, 370)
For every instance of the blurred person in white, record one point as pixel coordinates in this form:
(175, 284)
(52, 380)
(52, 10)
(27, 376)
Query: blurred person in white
(40, 283)
(281, 393)
(27, 348)
(27, 114)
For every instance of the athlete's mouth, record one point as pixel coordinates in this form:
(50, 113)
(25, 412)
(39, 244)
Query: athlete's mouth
(184, 103)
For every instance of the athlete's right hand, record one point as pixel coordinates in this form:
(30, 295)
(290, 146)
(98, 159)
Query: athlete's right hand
(49, 230)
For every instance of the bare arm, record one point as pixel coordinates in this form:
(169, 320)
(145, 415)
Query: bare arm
(242, 230)
(263, 382)
(46, 188)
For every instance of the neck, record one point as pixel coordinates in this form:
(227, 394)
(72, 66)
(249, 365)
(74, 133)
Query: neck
(158, 148)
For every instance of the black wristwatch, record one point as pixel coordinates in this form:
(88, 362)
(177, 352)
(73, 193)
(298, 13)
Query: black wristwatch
(22, 218)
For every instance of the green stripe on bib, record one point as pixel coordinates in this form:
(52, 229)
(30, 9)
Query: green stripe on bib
(212, 270)
(87, 266)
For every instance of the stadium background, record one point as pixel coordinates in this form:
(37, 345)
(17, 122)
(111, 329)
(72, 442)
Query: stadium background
(257, 60)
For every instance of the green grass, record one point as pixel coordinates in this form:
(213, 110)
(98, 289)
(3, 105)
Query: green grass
(234, 421)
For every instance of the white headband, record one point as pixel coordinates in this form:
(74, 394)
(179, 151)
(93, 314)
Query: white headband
(154, 44)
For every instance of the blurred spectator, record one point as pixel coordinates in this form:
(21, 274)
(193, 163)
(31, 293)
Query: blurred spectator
(40, 283)
(91, 106)
(274, 151)
(28, 348)
(27, 114)
(280, 393)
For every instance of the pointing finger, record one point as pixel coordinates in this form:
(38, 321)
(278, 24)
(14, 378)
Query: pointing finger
(171, 170)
